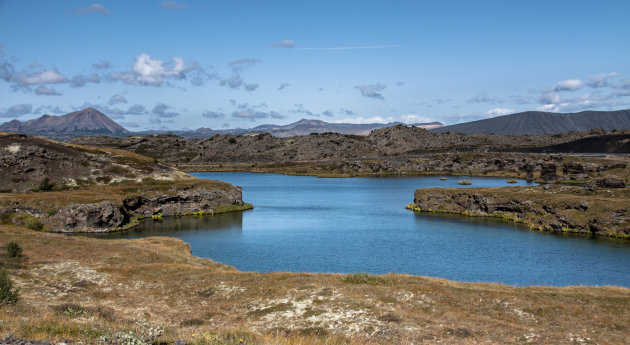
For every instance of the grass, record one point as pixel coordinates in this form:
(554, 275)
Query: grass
(80, 289)
(51, 201)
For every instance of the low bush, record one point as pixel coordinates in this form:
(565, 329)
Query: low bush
(14, 249)
(364, 278)
(8, 295)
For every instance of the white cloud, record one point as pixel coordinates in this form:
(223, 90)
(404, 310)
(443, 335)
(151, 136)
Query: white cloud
(499, 111)
(414, 118)
(51, 76)
(147, 70)
(366, 120)
(569, 85)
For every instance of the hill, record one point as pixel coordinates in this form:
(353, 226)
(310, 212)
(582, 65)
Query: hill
(537, 123)
(88, 121)
(298, 128)
(33, 163)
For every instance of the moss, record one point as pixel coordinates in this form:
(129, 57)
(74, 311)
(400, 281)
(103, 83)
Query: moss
(232, 208)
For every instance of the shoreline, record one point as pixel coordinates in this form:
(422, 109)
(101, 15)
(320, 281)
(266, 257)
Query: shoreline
(112, 281)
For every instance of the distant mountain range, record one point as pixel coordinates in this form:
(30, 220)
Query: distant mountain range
(302, 127)
(537, 123)
(88, 121)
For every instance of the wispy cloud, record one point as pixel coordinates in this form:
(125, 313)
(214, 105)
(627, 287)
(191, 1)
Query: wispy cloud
(17, 110)
(173, 5)
(242, 64)
(482, 98)
(372, 91)
(98, 8)
(352, 47)
(101, 65)
(284, 44)
(45, 91)
(213, 114)
(569, 85)
(115, 99)
(162, 110)
(600, 80)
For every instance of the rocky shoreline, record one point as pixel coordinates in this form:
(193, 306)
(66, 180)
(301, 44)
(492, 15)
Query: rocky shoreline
(118, 215)
(593, 210)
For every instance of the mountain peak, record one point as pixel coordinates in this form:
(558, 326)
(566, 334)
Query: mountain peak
(88, 121)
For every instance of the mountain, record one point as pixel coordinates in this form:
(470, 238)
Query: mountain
(306, 126)
(88, 121)
(537, 123)
(302, 127)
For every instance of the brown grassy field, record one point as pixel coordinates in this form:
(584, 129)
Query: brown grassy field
(79, 288)
(114, 192)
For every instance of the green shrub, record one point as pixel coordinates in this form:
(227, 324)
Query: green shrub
(232, 141)
(70, 309)
(14, 249)
(8, 294)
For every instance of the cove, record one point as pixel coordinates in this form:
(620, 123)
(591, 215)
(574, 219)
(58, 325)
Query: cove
(342, 225)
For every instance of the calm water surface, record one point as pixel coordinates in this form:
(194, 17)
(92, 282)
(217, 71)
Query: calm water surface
(309, 224)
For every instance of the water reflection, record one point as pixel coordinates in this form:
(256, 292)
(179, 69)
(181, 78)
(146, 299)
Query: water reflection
(231, 222)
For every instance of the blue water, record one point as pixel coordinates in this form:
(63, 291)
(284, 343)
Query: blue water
(309, 224)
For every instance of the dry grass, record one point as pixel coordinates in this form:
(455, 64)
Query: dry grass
(115, 193)
(79, 288)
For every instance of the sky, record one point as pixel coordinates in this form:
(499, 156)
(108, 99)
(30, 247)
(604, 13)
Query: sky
(230, 64)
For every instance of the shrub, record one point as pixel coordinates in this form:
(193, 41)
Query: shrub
(8, 294)
(364, 278)
(14, 249)
(70, 309)
(144, 333)
(232, 141)
(46, 185)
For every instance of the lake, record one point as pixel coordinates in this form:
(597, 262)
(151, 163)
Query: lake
(341, 225)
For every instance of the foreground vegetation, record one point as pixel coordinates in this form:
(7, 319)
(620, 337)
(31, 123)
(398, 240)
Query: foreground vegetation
(79, 288)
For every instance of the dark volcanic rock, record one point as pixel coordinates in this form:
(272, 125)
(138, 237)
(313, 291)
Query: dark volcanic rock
(107, 215)
(33, 163)
(608, 182)
(531, 206)
(11, 339)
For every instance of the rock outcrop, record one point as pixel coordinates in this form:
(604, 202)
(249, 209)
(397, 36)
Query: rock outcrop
(111, 215)
(33, 163)
(543, 208)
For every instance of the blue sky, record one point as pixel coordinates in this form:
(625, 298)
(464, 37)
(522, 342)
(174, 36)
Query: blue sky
(228, 64)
